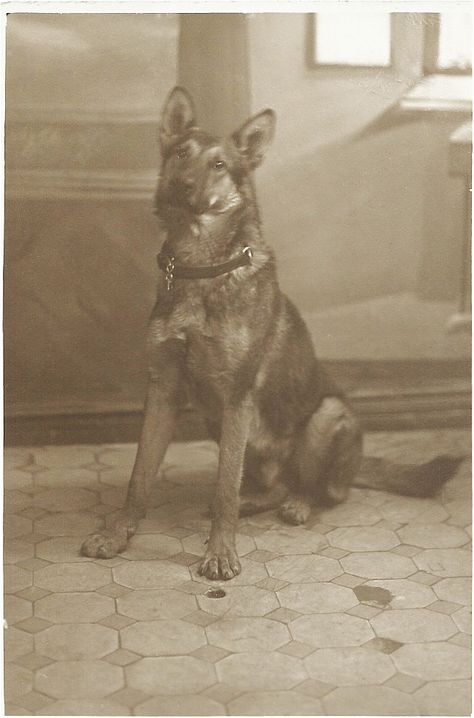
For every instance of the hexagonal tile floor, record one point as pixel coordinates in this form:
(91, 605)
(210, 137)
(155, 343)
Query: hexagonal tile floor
(365, 611)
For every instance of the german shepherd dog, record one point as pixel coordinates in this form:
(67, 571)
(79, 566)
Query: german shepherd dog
(221, 325)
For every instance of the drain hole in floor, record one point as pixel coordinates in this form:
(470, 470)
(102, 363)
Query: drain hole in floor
(215, 593)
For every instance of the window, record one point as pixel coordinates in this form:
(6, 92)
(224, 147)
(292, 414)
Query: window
(452, 37)
(371, 39)
(357, 39)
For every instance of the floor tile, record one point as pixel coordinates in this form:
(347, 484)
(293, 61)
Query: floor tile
(405, 593)
(147, 547)
(11, 709)
(16, 550)
(247, 671)
(174, 675)
(171, 637)
(129, 697)
(409, 510)
(463, 619)
(275, 703)
(240, 601)
(72, 577)
(241, 635)
(34, 701)
(16, 643)
(15, 526)
(69, 524)
(16, 578)
(15, 479)
(315, 688)
(433, 535)
(65, 499)
(113, 590)
(405, 683)
(122, 657)
(413, 625)
(33, 625)
(302, 569)
(296, 649)
(61, 478)
(369, 700)
(458, 590)
(116, 622)
(15, 501)
(434, 661)
(317, 597)
(353, 514)
(16, 609)
(61, 549)
(322, 618)
(444, 607)
(331, 629)
(447, 562)
(378, 564)
(18, 681)
(150, 574)
(290, 541)
(79, 679)
(447, 698)
(210, 653)
(63, 456)
(180, 706)
(98, 707)
(153, 604)
(349, 666)
(357, 538)
(74, 607)
(77, 642)
(33, 661)
(460, 513)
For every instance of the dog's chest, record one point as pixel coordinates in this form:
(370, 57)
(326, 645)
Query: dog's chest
(217, 340)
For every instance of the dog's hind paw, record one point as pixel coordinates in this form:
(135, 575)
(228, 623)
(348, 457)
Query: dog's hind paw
(295, 511)
(104, 545)
(215, 566)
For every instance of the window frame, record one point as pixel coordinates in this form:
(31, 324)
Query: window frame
(425, 51)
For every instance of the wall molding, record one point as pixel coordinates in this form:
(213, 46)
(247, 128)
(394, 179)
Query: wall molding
(77, 115)
(80, 184)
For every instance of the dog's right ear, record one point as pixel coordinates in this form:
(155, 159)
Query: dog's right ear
(177, 116)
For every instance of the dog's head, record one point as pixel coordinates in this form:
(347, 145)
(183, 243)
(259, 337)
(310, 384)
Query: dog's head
(202, 174)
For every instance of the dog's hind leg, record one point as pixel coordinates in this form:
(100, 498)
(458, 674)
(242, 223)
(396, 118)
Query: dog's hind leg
(160, 417)
(328, 458)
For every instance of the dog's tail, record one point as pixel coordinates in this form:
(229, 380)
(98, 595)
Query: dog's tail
(422, 480)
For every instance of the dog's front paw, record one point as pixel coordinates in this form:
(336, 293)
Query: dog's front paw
(104, 545)
(220, 564)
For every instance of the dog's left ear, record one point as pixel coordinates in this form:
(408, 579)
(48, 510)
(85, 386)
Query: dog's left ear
(177, 116)
(255, 135)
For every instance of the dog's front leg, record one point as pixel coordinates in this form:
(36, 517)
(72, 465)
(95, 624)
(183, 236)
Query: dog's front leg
(220, 560)
(161, 410)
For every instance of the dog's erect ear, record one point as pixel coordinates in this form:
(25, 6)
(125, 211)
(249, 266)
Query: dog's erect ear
(178, 115)
(255, 135)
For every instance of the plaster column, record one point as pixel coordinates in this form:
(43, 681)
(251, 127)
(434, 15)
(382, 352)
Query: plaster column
(213, 65)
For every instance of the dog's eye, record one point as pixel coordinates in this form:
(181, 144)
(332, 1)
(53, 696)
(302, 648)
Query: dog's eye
(181, 153)
(220, 165)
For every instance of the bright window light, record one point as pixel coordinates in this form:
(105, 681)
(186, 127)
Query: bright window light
(356, 38)
(455, 41)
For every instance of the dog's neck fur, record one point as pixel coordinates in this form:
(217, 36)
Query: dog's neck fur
(211, 238)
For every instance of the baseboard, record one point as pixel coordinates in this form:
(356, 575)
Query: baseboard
(385, 395)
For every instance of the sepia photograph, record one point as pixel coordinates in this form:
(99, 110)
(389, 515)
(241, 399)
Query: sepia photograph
(237, 358)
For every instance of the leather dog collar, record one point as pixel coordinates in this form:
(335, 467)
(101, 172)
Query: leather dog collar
(167, 264)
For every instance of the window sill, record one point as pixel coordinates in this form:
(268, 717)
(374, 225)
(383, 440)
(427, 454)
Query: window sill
(439, 93)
